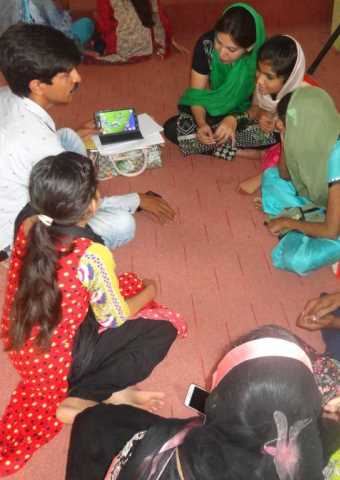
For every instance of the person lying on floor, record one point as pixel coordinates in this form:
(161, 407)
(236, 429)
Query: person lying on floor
(53, 13)
(303, 193)
(262, 422)
(40, 66)
(69, 333)
(131, 29)
(222, 83)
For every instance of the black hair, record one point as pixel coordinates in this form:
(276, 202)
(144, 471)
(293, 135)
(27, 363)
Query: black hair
(239, 422)
(240, 417)
(281, 52)
(35, 52)
(62, 188)
(282, 107)
(269, 331)
(239, 24)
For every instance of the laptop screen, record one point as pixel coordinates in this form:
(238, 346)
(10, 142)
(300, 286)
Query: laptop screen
(117, 121)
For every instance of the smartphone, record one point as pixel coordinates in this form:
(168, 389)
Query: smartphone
(196, 397)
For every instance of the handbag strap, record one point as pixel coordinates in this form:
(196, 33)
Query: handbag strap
(179, 465)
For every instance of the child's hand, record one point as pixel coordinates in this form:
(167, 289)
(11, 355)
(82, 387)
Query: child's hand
(277, 225)
(267, 122)
(312, 322)
(226, 131)
(317, 313)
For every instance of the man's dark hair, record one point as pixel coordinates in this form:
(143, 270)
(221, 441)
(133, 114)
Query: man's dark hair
(35, 52)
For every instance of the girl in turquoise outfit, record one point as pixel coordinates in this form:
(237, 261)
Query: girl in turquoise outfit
(308, 178)
(54, 13)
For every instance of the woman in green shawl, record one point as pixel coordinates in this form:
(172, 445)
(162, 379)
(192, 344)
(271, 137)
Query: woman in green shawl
(222, 83)
(304, 192)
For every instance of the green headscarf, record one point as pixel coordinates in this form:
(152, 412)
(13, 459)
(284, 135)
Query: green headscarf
(312, 128)
(231, 84)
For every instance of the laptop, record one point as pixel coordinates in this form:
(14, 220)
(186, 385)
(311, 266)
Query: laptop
(117, 125)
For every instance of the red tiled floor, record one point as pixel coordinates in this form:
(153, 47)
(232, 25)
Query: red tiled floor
(213, 263)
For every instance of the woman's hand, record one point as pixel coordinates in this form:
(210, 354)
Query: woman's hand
(313, 323)
(226, 130)
(277, 225)
(205, 135)
(266, 121)
(317, 313)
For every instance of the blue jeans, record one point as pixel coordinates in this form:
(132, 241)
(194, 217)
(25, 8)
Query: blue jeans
(113, 221)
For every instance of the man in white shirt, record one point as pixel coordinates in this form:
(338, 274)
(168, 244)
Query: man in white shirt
(39, 64)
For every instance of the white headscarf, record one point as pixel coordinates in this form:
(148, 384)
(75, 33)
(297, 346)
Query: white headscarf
(294, 81)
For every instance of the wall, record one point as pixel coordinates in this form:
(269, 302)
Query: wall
(202, 13)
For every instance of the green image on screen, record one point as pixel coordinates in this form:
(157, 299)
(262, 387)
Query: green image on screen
(117, 121)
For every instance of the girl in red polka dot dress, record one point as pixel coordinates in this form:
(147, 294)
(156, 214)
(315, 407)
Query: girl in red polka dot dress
(69, 332)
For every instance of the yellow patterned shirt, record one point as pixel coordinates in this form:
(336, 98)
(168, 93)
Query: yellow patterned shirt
(96, 272)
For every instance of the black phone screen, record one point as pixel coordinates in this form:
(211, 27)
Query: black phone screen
(198, 399)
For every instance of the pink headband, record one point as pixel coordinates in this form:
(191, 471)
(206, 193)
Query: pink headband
(262, 347)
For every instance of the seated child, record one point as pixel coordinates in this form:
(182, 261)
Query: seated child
(304, 192)
(70, 334)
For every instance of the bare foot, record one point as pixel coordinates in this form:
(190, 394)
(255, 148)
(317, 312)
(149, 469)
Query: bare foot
(258, 203)
(70, 407)
(251, 185)
(249, 153)
(137, 398)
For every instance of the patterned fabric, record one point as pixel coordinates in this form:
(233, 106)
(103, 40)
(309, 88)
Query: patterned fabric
(248, 135)
(126, 163)
(84, 277)
(125, 36)
(123, 456)
(130, 285)
(96, 272)
(332, 471)
(29, 419)
(326, 372)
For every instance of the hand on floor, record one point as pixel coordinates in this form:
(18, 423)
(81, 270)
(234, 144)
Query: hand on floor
(157, 206)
